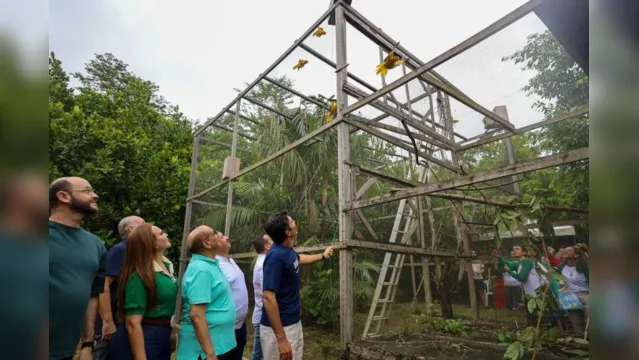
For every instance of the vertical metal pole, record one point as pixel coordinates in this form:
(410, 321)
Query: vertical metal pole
(347, 308)
(185, 232)
(232, 162)
(458, 212)
(510, 151)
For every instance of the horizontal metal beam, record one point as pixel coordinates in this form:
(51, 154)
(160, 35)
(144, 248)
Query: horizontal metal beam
(242, 134)
(221, 143)
(296, 93)
(267, 107)
(271, 157)
(515, 169)
(460, 48)
(299, 250)
(286, 53)
(443, 142)
(232, 112)
(403, 249)
(575, 113)
(398, 142)
(382, 176)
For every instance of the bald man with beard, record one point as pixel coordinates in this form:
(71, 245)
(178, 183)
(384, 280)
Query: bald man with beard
(77, 260)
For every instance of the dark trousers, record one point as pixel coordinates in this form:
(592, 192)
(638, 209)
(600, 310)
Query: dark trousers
(513, 297)
(101, 348)
(240, 338)
(157, 343)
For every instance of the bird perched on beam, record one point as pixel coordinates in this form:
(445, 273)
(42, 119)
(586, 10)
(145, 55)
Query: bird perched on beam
(300, 64)
(332, 111)
(319, 32)
(390, 62)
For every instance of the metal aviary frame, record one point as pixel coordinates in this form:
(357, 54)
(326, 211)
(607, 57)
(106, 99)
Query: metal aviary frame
(433, 142)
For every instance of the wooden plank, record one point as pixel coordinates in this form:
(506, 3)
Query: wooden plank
(403, 249)
(299, 250)
(537, 164)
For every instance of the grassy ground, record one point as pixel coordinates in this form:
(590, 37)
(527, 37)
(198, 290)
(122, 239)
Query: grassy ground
(323, 344)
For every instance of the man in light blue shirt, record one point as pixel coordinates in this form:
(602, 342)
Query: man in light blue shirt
(262, 243)
(237, 282)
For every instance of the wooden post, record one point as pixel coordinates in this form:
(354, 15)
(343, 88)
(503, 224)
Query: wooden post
(234, 169)
(346, 194)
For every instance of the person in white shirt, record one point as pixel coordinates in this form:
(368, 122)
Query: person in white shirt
(262, 244)
(236, 280)
(478, 276)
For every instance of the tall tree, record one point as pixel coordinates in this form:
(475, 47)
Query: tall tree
(116, 131)
(562, 86)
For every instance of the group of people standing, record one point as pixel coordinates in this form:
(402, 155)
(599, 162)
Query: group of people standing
(526, 272)
(120, 304)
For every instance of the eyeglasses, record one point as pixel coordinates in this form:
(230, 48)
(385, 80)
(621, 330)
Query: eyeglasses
(87, 191)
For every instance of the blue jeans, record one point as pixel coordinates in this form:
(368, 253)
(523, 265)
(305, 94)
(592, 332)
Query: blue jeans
(257, 346)
(157, 343)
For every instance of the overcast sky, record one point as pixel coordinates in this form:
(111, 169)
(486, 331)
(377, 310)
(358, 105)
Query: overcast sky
(184, 47)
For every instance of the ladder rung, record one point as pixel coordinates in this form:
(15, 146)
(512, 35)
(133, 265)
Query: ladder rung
(383, 301)
(380, 318)
(373, 335)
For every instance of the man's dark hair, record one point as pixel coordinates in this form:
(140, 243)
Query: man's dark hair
(259, 243)
(276, 226)
(54, 188)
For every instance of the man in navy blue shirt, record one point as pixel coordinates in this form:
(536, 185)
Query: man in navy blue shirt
(105, 323)
(281, 333)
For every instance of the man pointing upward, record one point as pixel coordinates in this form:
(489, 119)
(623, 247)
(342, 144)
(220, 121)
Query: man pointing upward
(281, 333)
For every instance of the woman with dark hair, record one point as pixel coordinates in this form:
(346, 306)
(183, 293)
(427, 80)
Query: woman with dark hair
(146, 298)
(577, 273)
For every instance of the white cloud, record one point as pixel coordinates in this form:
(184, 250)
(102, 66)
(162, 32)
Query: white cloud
(198, 51)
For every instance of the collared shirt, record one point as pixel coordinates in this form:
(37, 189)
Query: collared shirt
(510, 281)
(136, 296)
(235, 276)
(204, 283)
(258, 279)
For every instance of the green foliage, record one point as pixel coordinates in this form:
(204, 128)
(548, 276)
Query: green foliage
(118, 133)
(321, 296)
(430, 321)
(562, 87)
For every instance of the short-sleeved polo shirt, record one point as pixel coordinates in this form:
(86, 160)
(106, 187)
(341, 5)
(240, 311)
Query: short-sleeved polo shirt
(282, 276)
(136, 295)
(204, 283)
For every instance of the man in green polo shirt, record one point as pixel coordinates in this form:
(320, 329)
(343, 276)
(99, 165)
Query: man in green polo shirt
(76, 269)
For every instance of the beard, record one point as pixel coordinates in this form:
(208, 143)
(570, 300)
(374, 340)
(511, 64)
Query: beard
(82, 207)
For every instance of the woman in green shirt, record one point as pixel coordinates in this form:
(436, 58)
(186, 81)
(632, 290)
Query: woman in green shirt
(147, 291)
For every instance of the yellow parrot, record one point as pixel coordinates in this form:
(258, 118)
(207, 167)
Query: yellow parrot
(319, 32)
(390, 62)
(455, 121)
(300, 64)
(332, 111)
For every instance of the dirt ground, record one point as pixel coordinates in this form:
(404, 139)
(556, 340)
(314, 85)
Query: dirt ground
(323, 344)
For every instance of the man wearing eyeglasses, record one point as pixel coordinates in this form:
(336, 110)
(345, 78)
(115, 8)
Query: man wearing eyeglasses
(76, 269)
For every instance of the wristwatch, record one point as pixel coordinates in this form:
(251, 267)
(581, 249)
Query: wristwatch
(87, 344)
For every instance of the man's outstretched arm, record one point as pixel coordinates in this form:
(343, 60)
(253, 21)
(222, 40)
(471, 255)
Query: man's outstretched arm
(310, 259)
